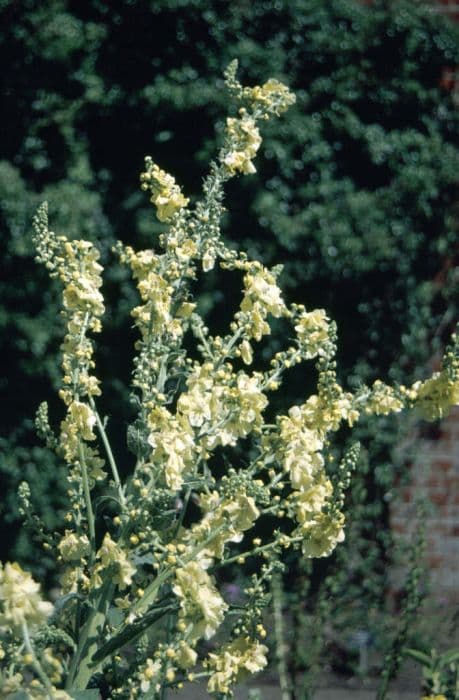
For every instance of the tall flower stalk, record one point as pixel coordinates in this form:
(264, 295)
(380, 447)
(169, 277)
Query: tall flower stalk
(141, 583)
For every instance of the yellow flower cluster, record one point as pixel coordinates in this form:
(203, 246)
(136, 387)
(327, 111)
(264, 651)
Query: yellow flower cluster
(165, 193)
(82, 290)
(436, 395)
(83, 307)
(20, 600)
(223, 404)
(150, 675)
(157, 312)
(73, 547)
(301, 449)
(112, 556)
(18, 685)
(273, 95)
(312, 329)
(233, 662)
(322, 534)
(224, 520)
(76, 264)
(261, 297)
(173, 448)
(244, 141)
(382, 400)
(77, 426)
(302, 434)
(202, 607)
(155, 315)
(325, 413)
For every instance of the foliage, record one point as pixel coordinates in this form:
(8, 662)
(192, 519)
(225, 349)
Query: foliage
(440, 672)
(155, 545)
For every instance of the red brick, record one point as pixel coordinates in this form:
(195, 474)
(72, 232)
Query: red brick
(435, 562)
(443, 465)
(440, 498)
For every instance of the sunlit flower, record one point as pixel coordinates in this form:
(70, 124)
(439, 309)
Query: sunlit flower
(202, 606)
(165, 193)
(111, 555)
(245, 140)
(233, 662)
(20, 600)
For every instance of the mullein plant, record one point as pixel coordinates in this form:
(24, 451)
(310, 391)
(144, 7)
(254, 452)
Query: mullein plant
(151, 566)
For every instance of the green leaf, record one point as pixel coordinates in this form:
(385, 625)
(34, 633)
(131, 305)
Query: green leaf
(449, 657)
(131, 632)
(85, 695)
(115, 617)
(417, 655)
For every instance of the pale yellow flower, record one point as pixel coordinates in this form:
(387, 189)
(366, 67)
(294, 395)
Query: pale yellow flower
(311, 501)
(312, 329)
(84, 295)
(20, 600)
(225, 408)
(322, 534)
(111, 554)
(245, 141)
(208, 261)
(246, 352)
(436, 395)
(273, 95)
(150, 674)
(201, 604)
(173, 446)
(325, 414)
(233, 662)
(261, 291)
(383, 400)
(73, 547)
(300, 451)
(72, 578)
(165, 193)
(227, 518)
(77, 425)
(185, 657)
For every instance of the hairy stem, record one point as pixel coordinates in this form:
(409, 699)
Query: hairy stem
(88, 502)
(281, 647)
(35, 662)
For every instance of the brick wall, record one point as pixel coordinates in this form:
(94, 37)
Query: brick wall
(447, 7)
(435, 475)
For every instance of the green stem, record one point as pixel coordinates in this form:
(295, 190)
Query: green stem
(253, 552)
(81, 667)
(281, 647)
(88, 502)
(108, 450)
(35, 662)
(150, 592)
(132, 632)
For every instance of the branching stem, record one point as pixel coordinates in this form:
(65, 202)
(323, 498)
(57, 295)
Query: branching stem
(108, 450)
